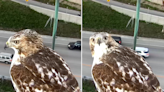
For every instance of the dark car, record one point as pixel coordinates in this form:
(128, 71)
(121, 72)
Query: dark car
(74, 45)
(117, 39)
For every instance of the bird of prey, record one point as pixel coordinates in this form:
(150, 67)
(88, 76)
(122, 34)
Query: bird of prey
(117, 68)
(37, 68)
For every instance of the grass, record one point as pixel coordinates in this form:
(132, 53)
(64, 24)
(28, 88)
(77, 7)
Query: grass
(6, 86)
(88, 86)
(16, 17)
(97, 18)
(52, 2)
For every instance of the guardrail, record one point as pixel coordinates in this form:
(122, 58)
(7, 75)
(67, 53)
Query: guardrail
(5, 77)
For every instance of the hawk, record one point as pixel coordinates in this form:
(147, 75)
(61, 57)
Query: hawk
(117, 68)
(37, 68)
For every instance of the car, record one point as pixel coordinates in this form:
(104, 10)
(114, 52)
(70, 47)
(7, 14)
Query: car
(6, 57)
(142, 51)
(74, 45)
(117, 39)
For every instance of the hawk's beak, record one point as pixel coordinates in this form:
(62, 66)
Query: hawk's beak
(99, 40)
(6, 45)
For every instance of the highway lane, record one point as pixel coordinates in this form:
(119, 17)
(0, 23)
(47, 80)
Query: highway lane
(156, 59)
(72, 57)
(47, 6)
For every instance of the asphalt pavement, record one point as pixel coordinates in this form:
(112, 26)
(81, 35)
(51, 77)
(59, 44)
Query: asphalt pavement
(156, 50)
(131, 7)
(47, 6)
(72, 57)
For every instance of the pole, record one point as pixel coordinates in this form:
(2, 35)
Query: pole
(55, 23)
(136, 23)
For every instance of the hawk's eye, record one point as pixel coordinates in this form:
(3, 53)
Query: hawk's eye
(105, 37)
(16, 41)
(93, 39)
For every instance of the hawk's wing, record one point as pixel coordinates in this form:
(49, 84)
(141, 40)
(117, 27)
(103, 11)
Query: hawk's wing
(46, 71)
(122, 70)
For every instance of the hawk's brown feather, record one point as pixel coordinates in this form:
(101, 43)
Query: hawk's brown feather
(37, 68)
(109, 76)
(117, 68)
(61, 79)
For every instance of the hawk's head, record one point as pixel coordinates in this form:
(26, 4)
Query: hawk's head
(100, 42)
(26, 42)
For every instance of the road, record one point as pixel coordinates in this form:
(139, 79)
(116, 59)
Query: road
(131, 7)
(155, 60)
(47, 6)
(72, 57)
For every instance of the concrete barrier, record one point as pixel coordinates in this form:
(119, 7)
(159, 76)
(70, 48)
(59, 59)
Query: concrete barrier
(157, 1)
(76, 1)
(61, 15)
(143, 16)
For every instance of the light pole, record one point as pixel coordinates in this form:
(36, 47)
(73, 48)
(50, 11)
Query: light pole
(55, 23)
(136, 23)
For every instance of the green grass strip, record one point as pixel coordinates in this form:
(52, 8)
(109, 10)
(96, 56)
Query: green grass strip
(15, 17)
(97, 18)
(88, 86)
(6, 86)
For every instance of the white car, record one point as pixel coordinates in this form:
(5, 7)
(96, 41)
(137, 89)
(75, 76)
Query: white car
(6, 57)
(142, 51)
